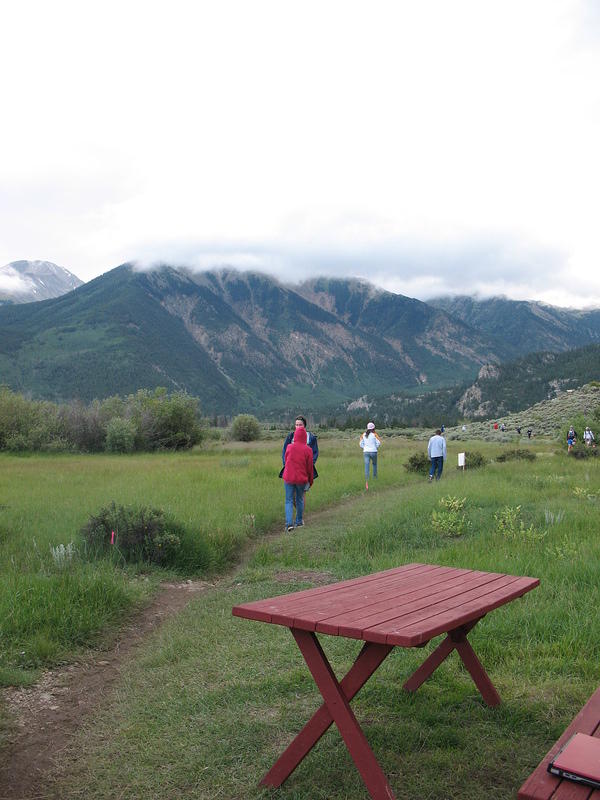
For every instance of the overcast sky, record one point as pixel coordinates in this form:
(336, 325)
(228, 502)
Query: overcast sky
(429, 147)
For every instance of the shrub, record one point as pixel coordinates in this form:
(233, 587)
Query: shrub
(511, 526)
(245, 428)
(518, 454)
(141, 533)
(451, 521)
(474, 459)
(120, 436)
(418, 462)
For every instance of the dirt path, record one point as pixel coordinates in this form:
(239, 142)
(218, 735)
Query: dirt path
(49, 713)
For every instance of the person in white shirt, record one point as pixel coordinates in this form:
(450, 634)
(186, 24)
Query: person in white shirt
(588, 437)
(370, 443)
(436, 450)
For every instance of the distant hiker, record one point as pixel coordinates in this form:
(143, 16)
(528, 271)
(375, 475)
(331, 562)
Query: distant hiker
(503, 427)
(298, 475)
(464, 428)
(573, 434)
(529, 432)
(495, 426)
(370, 443)
(311, 441)
(588, 438)
(519, 429)
(570, 440)
(436, 450)
(443, 428)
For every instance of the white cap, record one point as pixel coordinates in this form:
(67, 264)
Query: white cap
(371, 426)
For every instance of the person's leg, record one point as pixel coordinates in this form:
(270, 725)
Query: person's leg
(367, 462)
(289, 508)
(374, 460)
(299, 503)
(432, 469)
(440, 467)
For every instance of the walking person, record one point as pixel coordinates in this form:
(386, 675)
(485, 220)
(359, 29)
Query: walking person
(298, 474)
(370, 443)
(311, 441)
(436, 450)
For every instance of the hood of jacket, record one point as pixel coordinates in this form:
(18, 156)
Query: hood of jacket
(300, 436)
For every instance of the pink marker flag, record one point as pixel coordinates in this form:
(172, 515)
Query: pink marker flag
(112, 537)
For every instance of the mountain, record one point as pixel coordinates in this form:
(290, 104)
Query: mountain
(499, 391)
(239, 341)
(27, 281)
(521, 326)
(245, 342)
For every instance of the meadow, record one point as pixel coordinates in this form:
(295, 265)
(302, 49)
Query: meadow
(211, 700)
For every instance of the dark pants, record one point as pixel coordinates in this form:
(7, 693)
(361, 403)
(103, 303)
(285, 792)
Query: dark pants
(437, 465)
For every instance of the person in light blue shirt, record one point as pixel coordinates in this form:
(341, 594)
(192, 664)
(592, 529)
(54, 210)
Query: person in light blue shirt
(436, 450)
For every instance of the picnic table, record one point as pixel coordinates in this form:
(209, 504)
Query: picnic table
(402, 607)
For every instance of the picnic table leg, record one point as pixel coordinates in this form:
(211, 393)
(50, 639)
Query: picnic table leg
(343, 716)
(456, 640)
(367, 661)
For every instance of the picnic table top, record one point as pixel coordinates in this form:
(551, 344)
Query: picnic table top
(405, 606)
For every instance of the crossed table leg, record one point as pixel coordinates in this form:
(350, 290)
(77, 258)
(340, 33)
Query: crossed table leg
(337, 696)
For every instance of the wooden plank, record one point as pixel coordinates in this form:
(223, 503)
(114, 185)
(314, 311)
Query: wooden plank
(305, 612)
(261, 609)
(424, 624)
(541, 785)
(390, 611)
(391, 594)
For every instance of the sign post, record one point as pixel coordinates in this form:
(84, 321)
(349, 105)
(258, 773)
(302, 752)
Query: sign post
(461, 461)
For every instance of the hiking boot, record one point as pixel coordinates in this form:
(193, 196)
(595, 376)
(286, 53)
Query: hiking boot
(430, 478)
(290, 528)
(299, 524)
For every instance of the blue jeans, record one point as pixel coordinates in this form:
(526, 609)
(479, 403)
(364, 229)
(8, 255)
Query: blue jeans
(437, 463)
(370, 458)
(294, 490)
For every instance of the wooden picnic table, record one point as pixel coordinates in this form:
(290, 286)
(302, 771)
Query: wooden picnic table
(402, 607)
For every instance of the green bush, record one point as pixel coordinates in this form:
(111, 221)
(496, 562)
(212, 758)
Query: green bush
(141, 533)
(120, 436)
(245, 428)
(474, 459)
(518, 454)
(144, 534)
(418, 462)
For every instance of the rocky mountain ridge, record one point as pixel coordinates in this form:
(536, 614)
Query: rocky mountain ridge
(29, 281)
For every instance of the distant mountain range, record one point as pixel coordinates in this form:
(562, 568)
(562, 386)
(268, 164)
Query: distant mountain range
(28, 281)
(245, 342)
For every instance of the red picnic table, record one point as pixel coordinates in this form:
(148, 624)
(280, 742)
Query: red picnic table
(405, 607)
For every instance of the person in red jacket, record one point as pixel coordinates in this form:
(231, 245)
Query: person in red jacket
(297, 477)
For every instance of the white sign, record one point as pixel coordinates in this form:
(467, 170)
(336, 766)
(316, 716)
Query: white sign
(461, 460)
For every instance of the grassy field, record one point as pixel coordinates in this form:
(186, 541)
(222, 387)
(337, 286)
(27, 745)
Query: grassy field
(212, 700)
(225, 494)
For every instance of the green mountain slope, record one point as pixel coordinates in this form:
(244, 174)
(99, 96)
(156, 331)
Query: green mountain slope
(521, 327)
(239, 341)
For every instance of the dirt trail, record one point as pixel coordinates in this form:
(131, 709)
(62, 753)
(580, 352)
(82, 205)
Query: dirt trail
(48, 714)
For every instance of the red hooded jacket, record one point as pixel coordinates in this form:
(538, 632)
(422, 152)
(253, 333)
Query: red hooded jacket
(298, 460)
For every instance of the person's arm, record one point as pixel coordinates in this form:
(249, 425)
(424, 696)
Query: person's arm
(310, 468)
(286, 441)
(314, 447)
(362, 441)
(444, 452)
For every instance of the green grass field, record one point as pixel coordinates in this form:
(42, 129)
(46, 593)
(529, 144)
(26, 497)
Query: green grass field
(211, 700)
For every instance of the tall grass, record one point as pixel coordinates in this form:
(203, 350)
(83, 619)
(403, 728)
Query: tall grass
(223, 495)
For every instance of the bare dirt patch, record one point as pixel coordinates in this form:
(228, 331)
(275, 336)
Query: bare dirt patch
(48, 714)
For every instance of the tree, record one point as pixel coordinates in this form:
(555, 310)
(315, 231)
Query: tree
(245, 428)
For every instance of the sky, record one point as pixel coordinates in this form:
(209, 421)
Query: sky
(430, 148)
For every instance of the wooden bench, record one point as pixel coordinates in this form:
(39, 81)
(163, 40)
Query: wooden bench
(541, 785)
